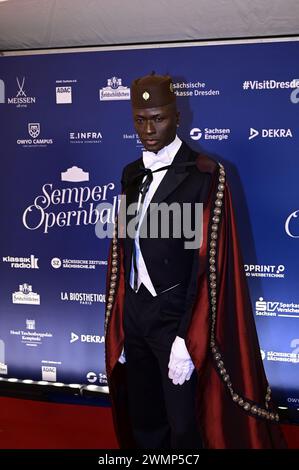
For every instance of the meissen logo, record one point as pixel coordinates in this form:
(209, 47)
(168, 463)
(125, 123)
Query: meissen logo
(34, 131)
(21, 263)
(269, 133)
(25, 296)
(21, 100)
(114, 90)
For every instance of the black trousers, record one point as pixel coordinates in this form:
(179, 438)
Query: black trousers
(162, 414)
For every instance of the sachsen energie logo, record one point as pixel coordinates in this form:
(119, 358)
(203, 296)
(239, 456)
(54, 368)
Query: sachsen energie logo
(210, 133)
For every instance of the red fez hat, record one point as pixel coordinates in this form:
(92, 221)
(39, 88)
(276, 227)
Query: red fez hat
(152, 91)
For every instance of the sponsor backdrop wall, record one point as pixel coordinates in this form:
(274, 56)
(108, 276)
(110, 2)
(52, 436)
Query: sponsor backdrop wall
(66, 132)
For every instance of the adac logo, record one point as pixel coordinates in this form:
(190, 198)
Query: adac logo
(34, 129)
(269, 133)
(64, 95)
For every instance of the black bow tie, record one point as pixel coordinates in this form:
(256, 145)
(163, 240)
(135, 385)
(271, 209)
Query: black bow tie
(142, 171)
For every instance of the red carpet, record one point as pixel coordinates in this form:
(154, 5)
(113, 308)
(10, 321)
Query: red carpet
(28, 424)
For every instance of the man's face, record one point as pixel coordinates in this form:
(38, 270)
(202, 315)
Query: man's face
(156, 127)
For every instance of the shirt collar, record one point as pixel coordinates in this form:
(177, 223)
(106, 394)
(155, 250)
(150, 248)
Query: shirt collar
(164, 157)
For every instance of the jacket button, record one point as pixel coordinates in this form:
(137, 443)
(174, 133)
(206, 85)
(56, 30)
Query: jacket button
(165, 260)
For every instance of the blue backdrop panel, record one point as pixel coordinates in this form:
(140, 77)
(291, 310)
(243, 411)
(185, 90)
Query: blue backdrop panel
(66, 132)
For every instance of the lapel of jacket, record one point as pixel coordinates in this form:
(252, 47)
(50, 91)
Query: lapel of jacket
(131, 191)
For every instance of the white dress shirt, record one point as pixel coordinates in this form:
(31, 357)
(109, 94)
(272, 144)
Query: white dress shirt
(154, 161)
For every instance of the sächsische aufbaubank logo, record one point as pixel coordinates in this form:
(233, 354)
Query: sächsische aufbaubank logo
(114, 90)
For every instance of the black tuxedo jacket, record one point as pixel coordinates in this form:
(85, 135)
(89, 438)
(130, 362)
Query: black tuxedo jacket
(167, 260)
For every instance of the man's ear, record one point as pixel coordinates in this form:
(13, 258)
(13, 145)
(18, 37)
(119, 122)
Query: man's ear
(178, 118)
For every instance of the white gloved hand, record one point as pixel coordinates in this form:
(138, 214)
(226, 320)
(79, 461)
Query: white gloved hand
(180, 366)
(122, 357)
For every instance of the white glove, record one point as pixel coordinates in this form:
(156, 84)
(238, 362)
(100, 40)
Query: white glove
(180, 366)
(122, 357)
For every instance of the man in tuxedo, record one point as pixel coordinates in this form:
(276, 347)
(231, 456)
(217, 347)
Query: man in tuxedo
(164, 354)
(161, 378)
